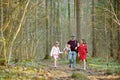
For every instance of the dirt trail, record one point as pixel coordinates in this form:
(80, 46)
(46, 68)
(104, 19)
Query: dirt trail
(63, 72)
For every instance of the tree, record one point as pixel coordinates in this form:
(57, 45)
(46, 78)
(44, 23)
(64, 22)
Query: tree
(111, 30)
(18, 30)
(47, 30)
(58, 20)
(78, 18)
(93, 31)
(2, 36)
(69, 21)
(118, 15)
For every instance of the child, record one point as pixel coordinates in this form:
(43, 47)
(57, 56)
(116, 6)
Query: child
(55, 51)
(82, 52)
(67, 49)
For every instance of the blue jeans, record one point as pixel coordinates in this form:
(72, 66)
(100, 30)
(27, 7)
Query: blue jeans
(72, 58)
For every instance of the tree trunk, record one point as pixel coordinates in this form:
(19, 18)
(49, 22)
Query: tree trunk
(18, 30)
(93, 31)
(58, 21)
(2, 35)
(118, 15)
(69, 27)
(47, 31)
(54, 21)
(111, 31)
(78, 17)
(51, 22)
(74, 12)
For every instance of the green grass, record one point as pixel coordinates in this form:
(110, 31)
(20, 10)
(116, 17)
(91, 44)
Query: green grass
(102, 64)
(79, 76)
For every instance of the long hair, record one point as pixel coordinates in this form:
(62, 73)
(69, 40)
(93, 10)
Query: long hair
(84, 41)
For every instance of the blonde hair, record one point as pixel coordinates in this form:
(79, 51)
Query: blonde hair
(56, 42)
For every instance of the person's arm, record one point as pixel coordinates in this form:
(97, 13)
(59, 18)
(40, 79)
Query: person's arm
(76, 44)
(78, 50)
(68, 42)
(86, 49)
(65, 49)
(60, 51)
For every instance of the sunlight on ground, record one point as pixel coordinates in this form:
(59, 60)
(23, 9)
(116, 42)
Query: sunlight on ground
(104, 77)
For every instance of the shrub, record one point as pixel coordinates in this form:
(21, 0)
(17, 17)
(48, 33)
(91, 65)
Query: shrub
(79, 76)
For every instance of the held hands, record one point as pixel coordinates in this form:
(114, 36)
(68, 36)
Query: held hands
(60, 52)
(75, 48)
(51, 55)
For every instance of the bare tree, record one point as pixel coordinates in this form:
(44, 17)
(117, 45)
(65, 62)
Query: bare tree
(47, 31)
(69, 21)
(18, 30)
(78, 18)
(118, 15)
(93, 30)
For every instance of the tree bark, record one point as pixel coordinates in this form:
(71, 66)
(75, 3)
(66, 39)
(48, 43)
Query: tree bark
(58, 21)
(118, 15)
(93, 31)
(111, 31)
(69, 27)
(3, 39)
(47, 31)
(78, 17)
(51, 23)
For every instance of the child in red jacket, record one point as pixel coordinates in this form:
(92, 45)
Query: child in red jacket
(82, 52)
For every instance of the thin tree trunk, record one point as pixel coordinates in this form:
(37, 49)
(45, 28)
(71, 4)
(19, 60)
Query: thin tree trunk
(93, 31)
(106, 47)
(51, 22)
(69, 27)
(74, 12)
(2, 34)
(47, 31)
(1, 4)
(118, 15)
(58, 21)
(118, 51)
(111, 33)
(18, 30)
(54, 21)
(78, 17)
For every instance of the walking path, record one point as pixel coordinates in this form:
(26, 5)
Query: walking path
(63, 72)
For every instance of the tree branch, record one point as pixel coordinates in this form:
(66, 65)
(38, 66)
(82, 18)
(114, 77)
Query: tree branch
(18, 30)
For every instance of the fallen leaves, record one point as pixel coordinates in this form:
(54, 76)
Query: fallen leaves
(110, 77)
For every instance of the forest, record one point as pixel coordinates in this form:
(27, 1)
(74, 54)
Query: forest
(29, 29)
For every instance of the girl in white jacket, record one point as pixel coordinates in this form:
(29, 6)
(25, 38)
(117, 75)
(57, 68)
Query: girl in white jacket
(55, 51)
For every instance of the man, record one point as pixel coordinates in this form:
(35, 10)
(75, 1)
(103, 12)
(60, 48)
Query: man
(72, 55)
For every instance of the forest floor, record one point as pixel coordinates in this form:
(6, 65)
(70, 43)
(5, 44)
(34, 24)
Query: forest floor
(45, 70)
(63, 72)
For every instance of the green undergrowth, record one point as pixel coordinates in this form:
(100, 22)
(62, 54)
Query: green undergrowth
(2, 61)
(109, 66)
(15, 72)
(24, 70)
(79, 76)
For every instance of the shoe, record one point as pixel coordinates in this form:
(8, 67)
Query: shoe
(84, 68)
(70, 65)
(55, 66)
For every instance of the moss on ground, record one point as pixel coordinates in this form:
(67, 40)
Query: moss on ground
(79, 76)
